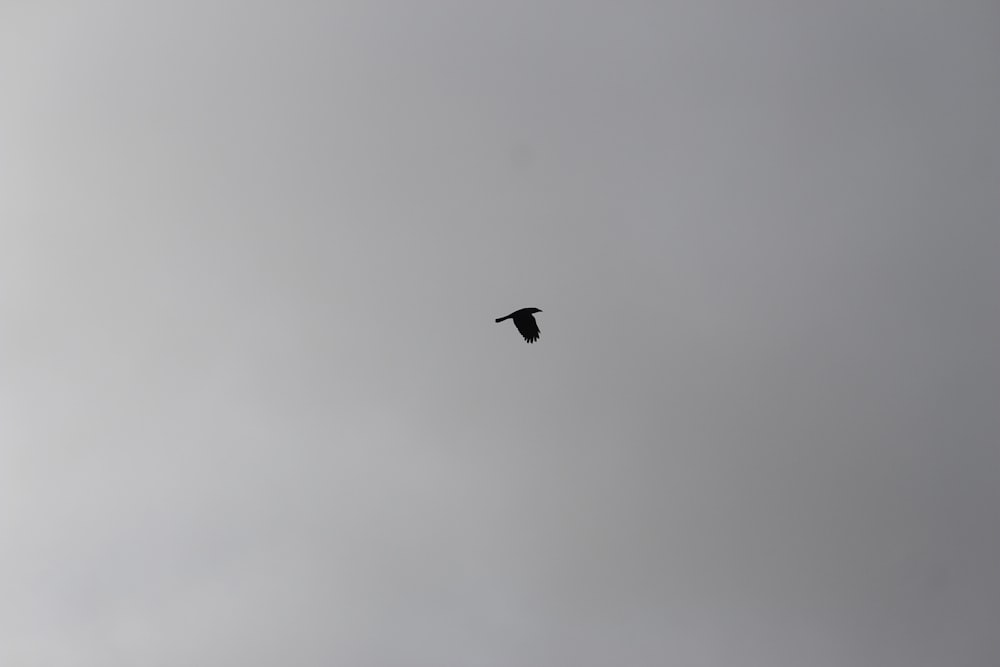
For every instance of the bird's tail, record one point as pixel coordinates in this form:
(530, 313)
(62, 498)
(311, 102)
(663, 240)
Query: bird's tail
(501, 319)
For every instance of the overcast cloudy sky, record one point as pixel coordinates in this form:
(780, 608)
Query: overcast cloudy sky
(254, 409)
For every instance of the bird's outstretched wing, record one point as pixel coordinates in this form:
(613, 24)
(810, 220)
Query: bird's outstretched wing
(526, 324)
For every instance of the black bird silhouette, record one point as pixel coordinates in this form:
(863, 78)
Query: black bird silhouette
(524, 320)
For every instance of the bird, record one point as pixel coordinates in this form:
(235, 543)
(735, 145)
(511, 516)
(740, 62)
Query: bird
(524, 320)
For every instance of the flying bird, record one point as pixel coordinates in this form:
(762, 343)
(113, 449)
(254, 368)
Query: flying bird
(524, 320)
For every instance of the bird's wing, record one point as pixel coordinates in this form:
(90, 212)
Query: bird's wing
(526, 324)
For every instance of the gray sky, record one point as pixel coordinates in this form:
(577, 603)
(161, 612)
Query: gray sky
(254, 409)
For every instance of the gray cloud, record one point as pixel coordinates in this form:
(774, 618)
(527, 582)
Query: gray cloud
(254, 408)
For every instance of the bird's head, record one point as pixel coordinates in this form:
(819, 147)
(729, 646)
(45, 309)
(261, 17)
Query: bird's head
(534, 310)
